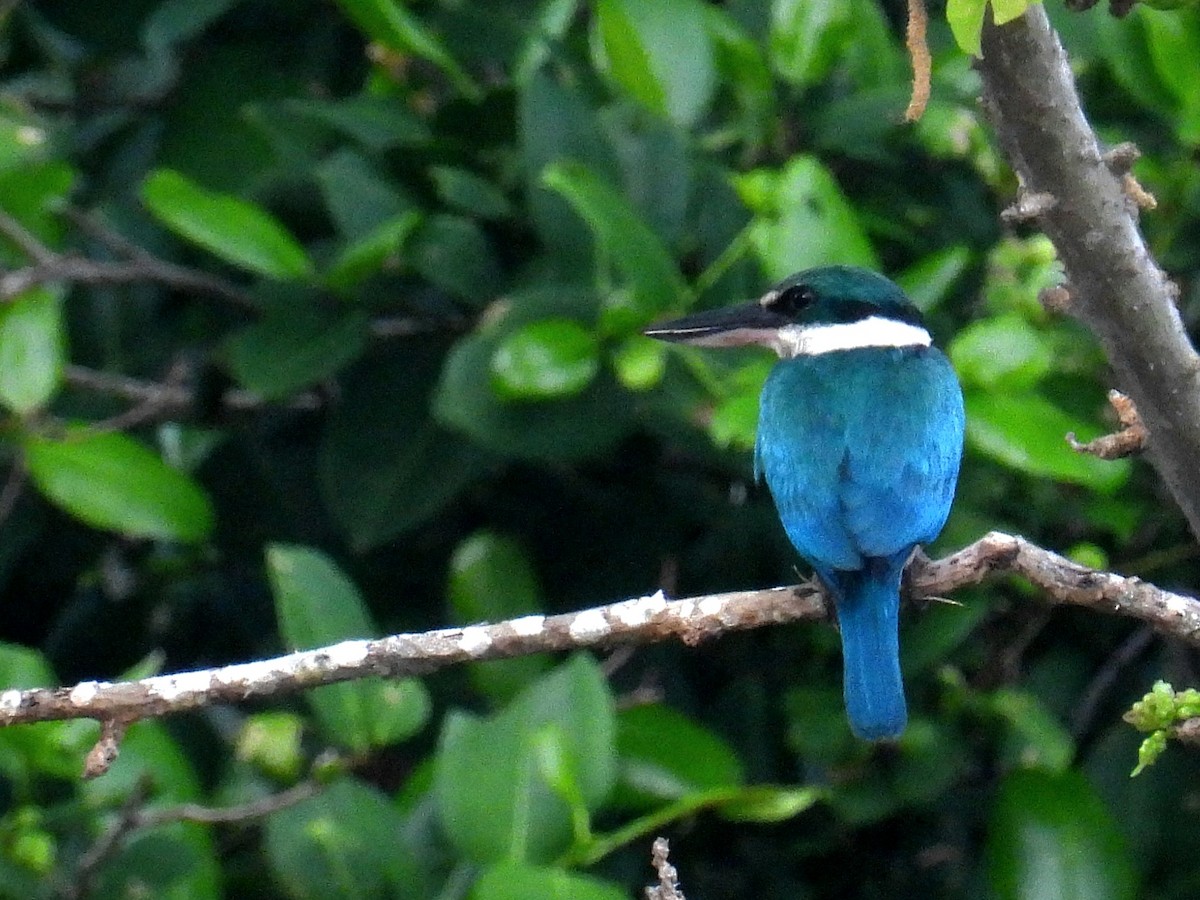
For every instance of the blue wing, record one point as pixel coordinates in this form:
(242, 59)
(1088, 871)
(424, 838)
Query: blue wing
(860, 450)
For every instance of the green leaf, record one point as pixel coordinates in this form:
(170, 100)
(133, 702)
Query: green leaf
(545, 360)
(375, 122)
(347, 841)
(801, 38)
(1052, 837)
(493, 797)
(768, 803)
(580, 427)
(660, 53)
(56, 749)
(360, 198)
(456, 255)
(928, 281)
(1028, 433)
(492, 579)
(1002, 353)
(470, 193)
(633, 248)
(176, 21)
(802, 219)
(295, 345)
(1035, 736)
(235, 230)
(380, 446)
(32, 193)
(640, 364)
(513, 881)
(665, 756)
(318, 605)
(371, 253)
(111, 481)
(32, 352)
(392, 24)
(966, 23)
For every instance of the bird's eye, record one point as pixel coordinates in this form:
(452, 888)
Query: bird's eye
(793, 300)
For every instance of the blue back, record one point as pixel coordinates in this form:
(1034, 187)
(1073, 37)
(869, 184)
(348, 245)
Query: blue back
(860, 450)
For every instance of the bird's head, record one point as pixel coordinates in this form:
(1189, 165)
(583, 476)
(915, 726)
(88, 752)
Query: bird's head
(816, 311)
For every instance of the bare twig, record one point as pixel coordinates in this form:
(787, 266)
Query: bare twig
(922, 63)
(1130, 439)
(1029, 205)
(228, 815)
(173, 397)
(135, 815)
(106, 846)
(105, 751)
(668, 884)
(640, 620)
(25, 240)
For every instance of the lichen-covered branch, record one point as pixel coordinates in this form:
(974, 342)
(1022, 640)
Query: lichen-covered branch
(639, 620)
(1116, 288)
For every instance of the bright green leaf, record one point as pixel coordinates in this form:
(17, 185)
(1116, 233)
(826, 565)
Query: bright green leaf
(392, 24)
(1051, 837)
(493, 797)
(371, 253)
(966, 23)
(640, 363)
(32, 353)
(512, 881)
(1002, 353)
(1028, 433)
(660, 53)
(768, 803)
(545, 360)
(235, 230)
(111, 481)
(802, 219)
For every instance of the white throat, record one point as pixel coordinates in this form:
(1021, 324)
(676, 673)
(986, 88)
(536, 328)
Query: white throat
(874, 331)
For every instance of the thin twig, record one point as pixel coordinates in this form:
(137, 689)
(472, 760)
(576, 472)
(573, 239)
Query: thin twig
(25, 240)
(83, 881)
(668, 878)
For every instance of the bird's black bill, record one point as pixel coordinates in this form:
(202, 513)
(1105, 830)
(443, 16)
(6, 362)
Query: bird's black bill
(730, 326)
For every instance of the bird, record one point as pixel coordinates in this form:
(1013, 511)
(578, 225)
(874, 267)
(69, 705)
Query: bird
(859, 439)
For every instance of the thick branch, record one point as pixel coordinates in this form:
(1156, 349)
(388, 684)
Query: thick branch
(1117, 290)
(641, 620)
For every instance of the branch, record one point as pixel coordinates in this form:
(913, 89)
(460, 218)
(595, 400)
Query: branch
(139, 265)
(1117, 290)
(640, 620)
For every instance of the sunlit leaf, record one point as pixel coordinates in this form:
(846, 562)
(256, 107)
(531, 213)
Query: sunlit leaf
(234, 229)
(32, 351)
(111, 481)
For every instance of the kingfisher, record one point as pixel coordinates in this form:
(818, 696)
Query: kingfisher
(859, 439)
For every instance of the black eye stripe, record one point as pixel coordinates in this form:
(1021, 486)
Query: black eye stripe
(791, 301)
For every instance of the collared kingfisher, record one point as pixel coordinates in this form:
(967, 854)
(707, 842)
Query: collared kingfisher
(860, 434)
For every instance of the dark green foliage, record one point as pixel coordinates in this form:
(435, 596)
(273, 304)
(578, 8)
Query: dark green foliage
(391, 263)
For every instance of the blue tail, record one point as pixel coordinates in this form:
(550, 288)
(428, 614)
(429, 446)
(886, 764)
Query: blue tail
(868, 613)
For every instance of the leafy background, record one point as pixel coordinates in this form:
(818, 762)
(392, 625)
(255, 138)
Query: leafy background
(391, 378)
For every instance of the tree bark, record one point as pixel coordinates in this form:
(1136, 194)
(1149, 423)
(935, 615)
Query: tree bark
(1116, 288)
